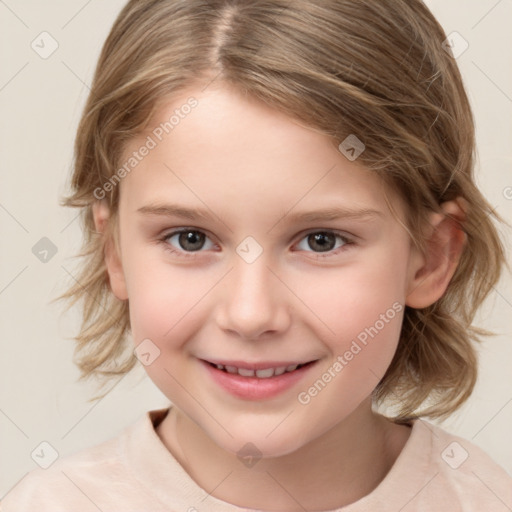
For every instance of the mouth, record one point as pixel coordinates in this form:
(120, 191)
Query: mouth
(257, 381)
(260, 370)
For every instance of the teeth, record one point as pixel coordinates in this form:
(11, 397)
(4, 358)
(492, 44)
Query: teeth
(244, 372)
(265, 374)
(261, 374)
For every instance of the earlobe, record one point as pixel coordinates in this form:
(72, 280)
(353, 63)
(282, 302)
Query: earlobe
(101, 215)
(103, 223)
(431, 272)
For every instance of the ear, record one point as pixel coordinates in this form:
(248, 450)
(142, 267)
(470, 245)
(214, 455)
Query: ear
(102, 220)
(430, 273)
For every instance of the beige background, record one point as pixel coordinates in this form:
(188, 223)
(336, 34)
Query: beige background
(41, 100)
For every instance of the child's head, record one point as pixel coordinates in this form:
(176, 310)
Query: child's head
(255, 112)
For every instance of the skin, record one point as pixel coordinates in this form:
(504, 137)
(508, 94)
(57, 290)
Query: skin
(252, 168)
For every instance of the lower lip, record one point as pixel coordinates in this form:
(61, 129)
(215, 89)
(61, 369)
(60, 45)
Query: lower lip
(254, 388)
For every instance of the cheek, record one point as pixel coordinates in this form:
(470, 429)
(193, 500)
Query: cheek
(364, 314)
(356, 296)
(166, 301)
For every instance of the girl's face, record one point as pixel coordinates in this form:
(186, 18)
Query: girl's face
(249, 241)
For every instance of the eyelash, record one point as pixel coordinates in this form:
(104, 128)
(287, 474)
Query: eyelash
(184, 254)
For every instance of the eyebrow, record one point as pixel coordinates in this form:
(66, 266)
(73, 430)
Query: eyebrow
(325, 214)
(171, 210)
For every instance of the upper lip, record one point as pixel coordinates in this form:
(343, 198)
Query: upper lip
(261, 365)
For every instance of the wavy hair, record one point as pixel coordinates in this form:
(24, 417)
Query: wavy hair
(375, 68)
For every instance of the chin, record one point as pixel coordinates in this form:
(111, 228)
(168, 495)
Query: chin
(260, 441)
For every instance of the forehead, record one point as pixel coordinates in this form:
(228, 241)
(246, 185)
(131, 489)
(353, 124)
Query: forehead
(219, 146)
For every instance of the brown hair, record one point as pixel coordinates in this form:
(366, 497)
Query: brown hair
(374, 68)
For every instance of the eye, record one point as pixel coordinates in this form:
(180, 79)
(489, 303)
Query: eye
(324, 242)
(186, 241)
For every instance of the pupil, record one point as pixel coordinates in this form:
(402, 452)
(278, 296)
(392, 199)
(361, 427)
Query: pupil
(325, 241)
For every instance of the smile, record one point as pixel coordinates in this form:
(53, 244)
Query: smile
(264, 373)
(258, 381)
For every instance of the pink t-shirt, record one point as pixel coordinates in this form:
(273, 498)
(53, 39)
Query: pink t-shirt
(135, 472)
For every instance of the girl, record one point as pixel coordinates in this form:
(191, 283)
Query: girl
(282, 227)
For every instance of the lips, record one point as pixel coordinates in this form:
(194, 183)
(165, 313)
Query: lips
(256, 381)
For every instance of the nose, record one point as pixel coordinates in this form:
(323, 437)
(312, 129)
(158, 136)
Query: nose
(253, 301)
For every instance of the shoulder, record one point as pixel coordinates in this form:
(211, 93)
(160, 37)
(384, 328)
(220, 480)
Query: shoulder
(61, 484)
(458, 471)
(81, 481)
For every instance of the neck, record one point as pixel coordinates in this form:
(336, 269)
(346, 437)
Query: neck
(336, 469)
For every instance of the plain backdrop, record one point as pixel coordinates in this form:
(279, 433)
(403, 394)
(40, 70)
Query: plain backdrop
(41, 100)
